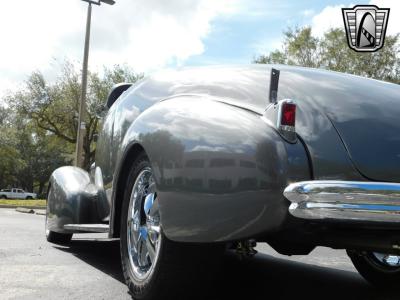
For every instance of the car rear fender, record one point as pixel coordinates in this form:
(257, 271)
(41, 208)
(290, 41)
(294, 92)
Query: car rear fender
(220, 169)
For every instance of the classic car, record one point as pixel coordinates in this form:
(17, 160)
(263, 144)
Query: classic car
(192, 162)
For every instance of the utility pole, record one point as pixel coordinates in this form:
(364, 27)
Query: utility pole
(81, 134)
(82, 105)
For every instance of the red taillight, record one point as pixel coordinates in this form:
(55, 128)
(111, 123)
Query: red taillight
(288, 117)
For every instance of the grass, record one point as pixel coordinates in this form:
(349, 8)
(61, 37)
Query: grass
(25, 203)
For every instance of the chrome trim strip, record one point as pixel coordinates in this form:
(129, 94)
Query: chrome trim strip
(100, 228)
(345, 200)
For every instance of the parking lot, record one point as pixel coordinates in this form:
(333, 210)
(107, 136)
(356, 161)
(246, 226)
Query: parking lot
(89, 268)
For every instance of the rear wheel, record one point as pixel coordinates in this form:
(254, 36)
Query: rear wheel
(3, 197)
(153, 266)
(382, 270)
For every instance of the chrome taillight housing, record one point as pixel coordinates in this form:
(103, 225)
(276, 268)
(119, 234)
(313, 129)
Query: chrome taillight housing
(282, 115)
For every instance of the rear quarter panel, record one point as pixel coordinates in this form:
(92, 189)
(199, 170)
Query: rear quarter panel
(220, 170)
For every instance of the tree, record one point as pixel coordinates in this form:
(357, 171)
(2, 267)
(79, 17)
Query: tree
(28, 154)
(38, 124)
(53, 107)
(332, 52)
(11, 162)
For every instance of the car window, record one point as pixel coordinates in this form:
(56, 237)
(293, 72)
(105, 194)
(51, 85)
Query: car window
(20, 191)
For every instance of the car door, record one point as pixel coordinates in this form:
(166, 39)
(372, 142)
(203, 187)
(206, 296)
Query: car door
(7, 193)
(21, 194)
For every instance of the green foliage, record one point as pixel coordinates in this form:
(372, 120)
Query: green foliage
(331, 52)
(38, 128)
(11, 162)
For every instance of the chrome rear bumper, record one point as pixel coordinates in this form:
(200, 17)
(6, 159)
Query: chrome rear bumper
(345, 201)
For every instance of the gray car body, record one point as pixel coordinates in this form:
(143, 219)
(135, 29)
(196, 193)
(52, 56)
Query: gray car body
(220, 166)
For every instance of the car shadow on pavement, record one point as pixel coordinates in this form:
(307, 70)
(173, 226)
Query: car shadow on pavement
(265, 275)
(262, 277)
(103, 254)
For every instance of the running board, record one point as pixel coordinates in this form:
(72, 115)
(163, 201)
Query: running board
(88, 227)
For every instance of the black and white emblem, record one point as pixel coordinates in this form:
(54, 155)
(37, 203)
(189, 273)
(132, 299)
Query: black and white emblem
(365, 27)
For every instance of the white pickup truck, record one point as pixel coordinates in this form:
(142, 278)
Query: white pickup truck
(16, 194)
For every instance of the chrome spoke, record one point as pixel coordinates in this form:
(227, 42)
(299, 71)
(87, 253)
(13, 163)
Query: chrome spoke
(142, 247)
(134, 237)
(150, 250)
(136, 221)
(154, 229)
(133, 226)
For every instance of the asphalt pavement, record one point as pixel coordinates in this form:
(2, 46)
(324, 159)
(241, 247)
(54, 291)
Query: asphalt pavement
(89, 268)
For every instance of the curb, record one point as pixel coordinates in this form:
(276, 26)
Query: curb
(14, 206)
(41, 212)
(25, 210)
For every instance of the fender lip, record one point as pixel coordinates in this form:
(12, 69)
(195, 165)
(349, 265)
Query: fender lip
(377, 202)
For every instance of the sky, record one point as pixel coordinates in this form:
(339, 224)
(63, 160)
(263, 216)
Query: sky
(149, 35)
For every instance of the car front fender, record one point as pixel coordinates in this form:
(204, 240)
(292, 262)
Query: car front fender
(72, 199)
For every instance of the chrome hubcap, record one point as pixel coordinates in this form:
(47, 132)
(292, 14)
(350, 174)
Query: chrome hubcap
(387, 259)
(143, 232)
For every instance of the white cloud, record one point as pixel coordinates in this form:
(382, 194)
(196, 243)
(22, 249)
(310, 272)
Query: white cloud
(394, 15)
(146, 34)
(151, 33)
(267, 45)
(31, 31)
(331, 17)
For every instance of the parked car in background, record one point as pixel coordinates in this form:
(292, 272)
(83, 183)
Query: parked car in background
(16, 194)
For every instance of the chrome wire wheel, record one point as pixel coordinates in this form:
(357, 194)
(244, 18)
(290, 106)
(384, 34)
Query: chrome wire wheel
(143, 226)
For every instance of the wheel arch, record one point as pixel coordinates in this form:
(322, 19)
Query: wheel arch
(132, 152)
